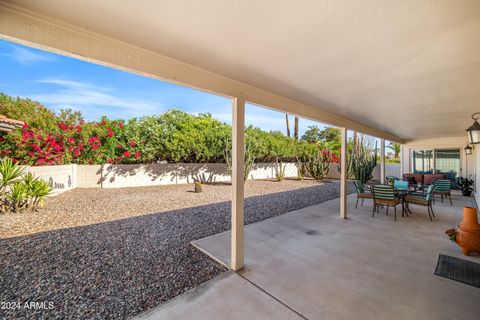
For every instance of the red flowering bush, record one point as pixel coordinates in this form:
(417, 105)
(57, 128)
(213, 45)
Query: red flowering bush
(75, 142)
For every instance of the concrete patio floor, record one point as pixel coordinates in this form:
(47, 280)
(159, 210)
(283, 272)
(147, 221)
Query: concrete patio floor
(310, 264)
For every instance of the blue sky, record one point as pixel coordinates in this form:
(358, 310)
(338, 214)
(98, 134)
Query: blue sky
(61, 82)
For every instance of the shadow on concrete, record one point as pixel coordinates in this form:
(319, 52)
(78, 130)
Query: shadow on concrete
(121, 268)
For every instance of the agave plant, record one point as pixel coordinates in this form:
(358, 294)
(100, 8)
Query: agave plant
(17, 196)
(36, 189)
(19, 190)
(10, 173)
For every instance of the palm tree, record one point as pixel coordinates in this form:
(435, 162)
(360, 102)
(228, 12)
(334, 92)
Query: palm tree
(288, 125)
(295, 129)
(395, 147)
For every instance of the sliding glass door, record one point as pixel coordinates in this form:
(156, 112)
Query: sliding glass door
(446, 161)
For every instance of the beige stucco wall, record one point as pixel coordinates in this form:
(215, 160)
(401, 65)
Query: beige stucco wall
(476, 152)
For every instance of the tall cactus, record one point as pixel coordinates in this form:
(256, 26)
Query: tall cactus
(279, 169)
(248, 162)
(318, 163)
(360, 162)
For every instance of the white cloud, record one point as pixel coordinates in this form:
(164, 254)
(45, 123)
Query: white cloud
(86, 96)
(26, 57)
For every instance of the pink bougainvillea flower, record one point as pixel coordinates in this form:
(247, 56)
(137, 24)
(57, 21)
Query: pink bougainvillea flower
(31, 154)
(71, 140)
(57, 147)
(103, 122)
(137, 154)
(110, 134)
(121, 125)
(78, 129)
(126, 154)
(25, 125)
(94, 140)
(27, 134)
(133, 143)
(62, 126)
(119, 146)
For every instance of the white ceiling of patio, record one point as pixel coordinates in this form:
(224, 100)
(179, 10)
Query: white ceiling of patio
(411, 67)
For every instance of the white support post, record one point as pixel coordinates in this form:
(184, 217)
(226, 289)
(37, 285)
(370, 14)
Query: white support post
(238, 158)
(343, 175)
(382, 160)
(402, 161)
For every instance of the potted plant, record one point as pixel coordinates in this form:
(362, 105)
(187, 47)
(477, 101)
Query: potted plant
(198, 187)
(466, 185)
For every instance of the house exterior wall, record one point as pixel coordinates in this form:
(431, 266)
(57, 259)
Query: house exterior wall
(468, 163)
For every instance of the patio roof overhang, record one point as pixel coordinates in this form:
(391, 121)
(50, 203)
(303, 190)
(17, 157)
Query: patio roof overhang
(398, 70)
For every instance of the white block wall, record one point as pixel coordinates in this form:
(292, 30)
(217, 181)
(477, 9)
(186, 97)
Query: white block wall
(68, 177)
(61, 178)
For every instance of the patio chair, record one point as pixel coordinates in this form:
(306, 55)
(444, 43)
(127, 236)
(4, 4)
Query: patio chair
(401, 185)
(384, 195)
(361, 192)
(390, 180)
(422, 199)
(443, 188)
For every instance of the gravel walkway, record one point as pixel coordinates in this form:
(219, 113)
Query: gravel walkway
(117, 269)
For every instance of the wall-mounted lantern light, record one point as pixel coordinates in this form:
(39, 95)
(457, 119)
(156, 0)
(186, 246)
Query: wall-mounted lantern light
(474, 130)
(468, 150)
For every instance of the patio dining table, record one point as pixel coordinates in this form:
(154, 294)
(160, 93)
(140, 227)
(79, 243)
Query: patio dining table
(401, 193)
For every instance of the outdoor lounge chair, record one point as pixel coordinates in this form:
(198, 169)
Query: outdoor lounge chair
(443, 188)
(384, 195)
(422, 199)
(361, 192)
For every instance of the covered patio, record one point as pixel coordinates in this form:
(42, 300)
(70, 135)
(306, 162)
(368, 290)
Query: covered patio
(400, 71)
(308, 264)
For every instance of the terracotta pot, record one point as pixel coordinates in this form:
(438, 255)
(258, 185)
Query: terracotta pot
(468, 233)
(470, 219)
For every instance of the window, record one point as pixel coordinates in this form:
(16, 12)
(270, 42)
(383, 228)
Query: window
(422, 161)
(447, 160)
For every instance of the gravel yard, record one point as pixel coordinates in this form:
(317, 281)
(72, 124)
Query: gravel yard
(113, 253)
